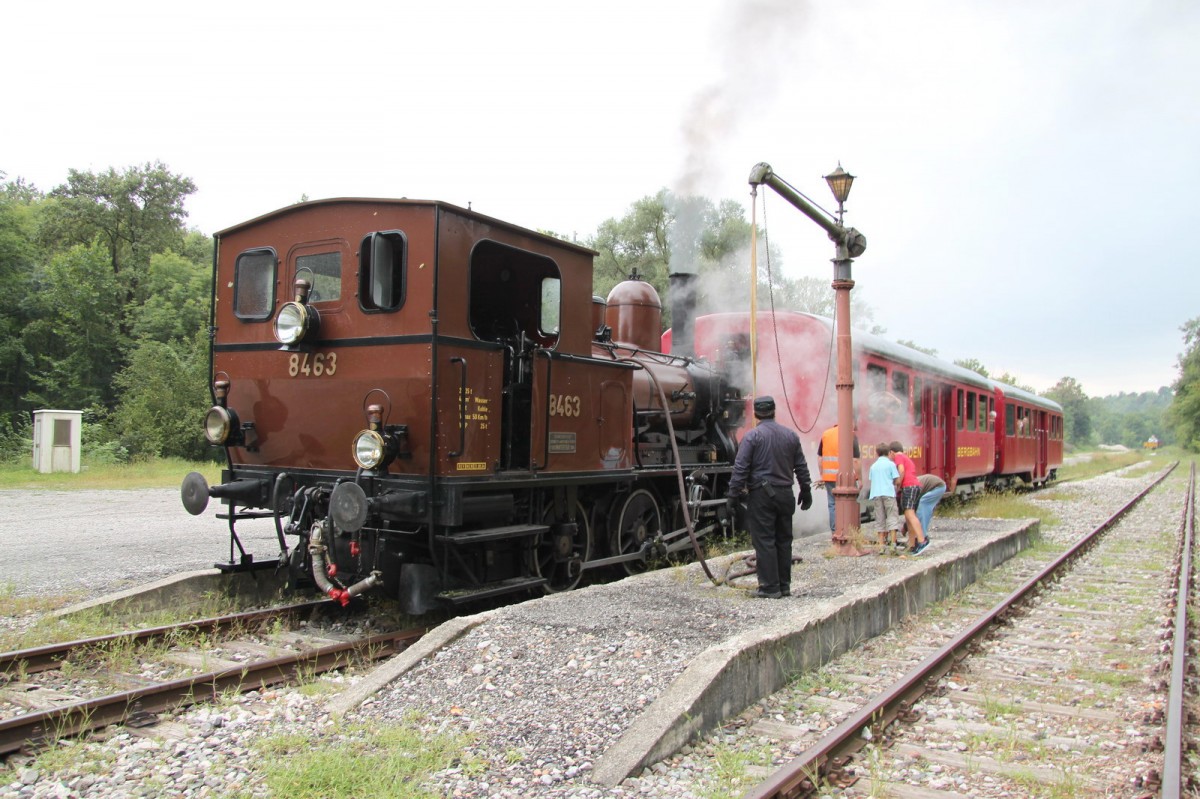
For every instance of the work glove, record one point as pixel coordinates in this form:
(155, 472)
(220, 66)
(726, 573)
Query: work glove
(805, 497)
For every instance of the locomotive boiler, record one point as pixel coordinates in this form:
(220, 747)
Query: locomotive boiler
(430, 402)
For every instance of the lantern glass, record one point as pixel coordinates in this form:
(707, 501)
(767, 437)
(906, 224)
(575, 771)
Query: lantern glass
(839, 183)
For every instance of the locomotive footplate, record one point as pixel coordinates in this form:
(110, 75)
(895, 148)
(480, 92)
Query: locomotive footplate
(246, 564)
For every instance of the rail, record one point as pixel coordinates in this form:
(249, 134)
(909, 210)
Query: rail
(824, 760)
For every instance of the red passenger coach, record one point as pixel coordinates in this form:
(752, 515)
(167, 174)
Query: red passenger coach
(1029, 441)
(945, 415)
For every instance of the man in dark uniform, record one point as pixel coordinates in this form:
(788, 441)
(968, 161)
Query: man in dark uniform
(767, 458)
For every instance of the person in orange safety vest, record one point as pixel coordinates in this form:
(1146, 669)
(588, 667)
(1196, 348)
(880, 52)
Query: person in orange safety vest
(827, 456)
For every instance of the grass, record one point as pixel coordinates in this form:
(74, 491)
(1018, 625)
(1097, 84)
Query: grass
(102, 621)
(360, 762)
(1000, 506)
(155, 473)
(1101, 463)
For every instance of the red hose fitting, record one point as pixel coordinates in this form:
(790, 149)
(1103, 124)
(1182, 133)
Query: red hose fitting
(355, 549)
(339, 595)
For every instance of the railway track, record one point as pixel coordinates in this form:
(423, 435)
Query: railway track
(39, 709)
(1063, 686)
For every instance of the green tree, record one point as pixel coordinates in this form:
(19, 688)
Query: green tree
(134, 214)
(930, 351)
(1184, 414)
(1012, 380)
(177, 299)
(636, 243)
(20, 204)
(974, 364)
(1077, 419)
(163, 397)
(74, 344)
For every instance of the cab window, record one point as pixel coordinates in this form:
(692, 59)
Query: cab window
(254, 284)
(382, 260)
(324, 271)
(551, 301)
(513, 293)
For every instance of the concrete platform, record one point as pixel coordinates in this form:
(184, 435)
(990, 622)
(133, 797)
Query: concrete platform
(193, 589)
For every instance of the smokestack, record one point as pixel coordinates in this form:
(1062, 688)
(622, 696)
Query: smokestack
(683, 312)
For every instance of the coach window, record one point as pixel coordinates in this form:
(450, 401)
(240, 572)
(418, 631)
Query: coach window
(254, 285)
(381, 272)
(900, 389)
(324, 271)
(918, 401)
(1010, 421)
(962, 401)
(991, 417)
(879, 406)
(971, 421)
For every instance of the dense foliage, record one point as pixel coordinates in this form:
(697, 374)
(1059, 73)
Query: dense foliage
(107, 311)
(1184, 414)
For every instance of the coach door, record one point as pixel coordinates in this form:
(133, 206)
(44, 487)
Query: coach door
(1042, 445)
(934, 429)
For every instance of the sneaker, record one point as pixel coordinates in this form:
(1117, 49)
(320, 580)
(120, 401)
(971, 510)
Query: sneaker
(761, 594)
(921, 547)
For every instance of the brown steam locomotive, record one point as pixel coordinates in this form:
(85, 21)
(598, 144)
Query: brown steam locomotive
(440, 409)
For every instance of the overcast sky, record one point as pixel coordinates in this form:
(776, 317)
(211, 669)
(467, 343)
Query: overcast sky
(1027, 170)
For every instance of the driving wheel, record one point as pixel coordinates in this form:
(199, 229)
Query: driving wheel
(559, 559)
(639, 521)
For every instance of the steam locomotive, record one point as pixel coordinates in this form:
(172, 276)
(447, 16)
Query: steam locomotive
(440, 409)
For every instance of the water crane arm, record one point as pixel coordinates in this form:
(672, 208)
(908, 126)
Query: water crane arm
(854, 242)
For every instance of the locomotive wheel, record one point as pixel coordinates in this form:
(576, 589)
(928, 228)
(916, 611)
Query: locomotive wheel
(563, 574)
(639, 521)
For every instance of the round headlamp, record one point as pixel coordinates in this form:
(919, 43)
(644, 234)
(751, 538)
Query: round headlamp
(219, 424)
(369, 449)
(292, 323)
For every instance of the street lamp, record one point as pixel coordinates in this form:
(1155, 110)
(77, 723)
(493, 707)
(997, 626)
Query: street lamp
(840, 181)
(849, 244)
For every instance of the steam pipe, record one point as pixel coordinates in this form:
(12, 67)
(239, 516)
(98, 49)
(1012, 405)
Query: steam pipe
(316, 548)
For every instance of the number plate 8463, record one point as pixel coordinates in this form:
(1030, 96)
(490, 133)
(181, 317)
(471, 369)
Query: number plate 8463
(308, 364)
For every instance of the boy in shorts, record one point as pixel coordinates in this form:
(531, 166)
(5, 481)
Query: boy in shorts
(910, 494)
(884, 477)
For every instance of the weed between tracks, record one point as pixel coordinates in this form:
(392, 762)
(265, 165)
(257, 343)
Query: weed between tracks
(360, 762)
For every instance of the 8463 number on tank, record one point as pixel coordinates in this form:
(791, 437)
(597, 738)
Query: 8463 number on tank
(430, 402)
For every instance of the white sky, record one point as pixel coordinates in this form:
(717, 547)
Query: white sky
(1027, 170)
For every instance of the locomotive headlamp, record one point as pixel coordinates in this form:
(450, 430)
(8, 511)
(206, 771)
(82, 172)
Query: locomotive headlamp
(220, 425)
(296, 320)
(376, 447)
(369, 449)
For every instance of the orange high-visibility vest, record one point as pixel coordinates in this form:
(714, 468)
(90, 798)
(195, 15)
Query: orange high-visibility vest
(829, 455)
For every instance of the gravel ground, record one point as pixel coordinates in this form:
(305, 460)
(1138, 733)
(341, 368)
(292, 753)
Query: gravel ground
(543, 688)
(88, 543)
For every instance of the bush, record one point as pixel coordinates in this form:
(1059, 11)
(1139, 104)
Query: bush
(16, 439)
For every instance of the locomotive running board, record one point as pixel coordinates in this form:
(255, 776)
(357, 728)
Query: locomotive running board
(493, 534)
(491, 590)
(247, 564)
